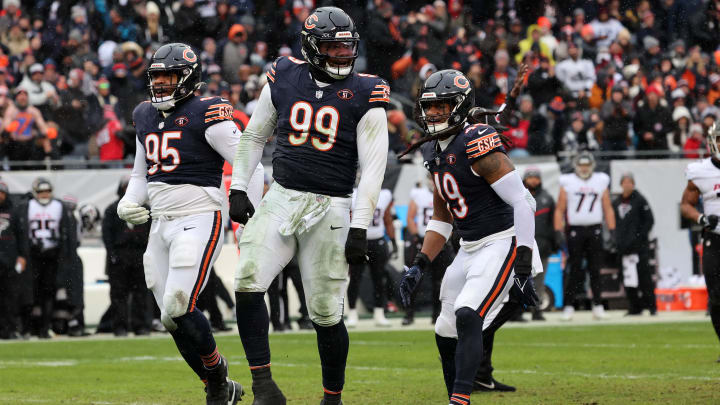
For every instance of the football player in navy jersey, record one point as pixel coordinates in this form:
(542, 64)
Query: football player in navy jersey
(182, 142)
(330, 123)
(477, 187)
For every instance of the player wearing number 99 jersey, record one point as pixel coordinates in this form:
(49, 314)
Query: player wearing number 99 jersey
(182, 141)
(330, 122)
(477, 187)
(584, 199)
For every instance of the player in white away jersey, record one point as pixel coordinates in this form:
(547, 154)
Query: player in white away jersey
(378, 256)
(584, 200)
(704, 180)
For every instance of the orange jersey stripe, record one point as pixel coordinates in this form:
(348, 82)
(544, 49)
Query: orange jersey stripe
(503, 277)
(386, 100)
(206, 260)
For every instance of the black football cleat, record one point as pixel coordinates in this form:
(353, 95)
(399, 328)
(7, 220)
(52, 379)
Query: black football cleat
(266, 392)
(408, 320)
(304, 323)
(235, 392)
(217, 384)
(491, 385)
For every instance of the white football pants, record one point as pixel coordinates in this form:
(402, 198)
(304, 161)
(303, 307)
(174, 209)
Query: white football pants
(316, 228)
(479, 280)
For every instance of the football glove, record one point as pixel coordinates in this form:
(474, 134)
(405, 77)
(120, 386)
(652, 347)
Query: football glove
(523, 289)
(411, 279)
(708, 222)
(241, 209)
(132, 213)
(356, 246)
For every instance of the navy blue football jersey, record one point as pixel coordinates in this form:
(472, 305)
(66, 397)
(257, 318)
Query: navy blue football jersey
(176, 151)
(316, 130)
(478, 211)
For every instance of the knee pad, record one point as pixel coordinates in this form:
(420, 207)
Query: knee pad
(176, 303)
(325, 309)
(245, 279)
(445, 327)
(168, 322)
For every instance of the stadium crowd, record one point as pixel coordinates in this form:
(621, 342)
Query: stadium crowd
(605, 75)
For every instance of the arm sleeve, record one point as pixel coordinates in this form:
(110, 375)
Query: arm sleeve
(372, 144)
(137, 188)
(510, 188)
(224, 138)
(251, 144)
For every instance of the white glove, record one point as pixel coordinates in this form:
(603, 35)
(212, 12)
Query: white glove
(132, 212)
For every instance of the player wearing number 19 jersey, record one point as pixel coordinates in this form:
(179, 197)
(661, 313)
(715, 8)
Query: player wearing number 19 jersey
(330, 123)
(182, 142)
(477, 187)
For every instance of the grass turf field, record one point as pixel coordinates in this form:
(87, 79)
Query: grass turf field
(667, 363)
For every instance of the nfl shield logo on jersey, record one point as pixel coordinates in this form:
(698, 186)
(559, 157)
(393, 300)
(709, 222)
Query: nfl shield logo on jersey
(318, 94)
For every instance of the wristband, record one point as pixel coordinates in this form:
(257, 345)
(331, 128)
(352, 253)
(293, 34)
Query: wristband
(443, 228)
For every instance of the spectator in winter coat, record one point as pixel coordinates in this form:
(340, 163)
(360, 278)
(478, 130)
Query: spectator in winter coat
(653, 121)
(695, 142)
(542, 83)
(533, 44)
(578, 75)
(617, 116)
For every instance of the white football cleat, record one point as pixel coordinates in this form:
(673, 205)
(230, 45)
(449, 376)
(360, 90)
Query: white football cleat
(599, 312)
(352, 318)
(568, 313)
(379, 316)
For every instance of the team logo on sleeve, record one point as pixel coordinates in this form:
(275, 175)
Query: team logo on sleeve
(345, 94)
(181, 121)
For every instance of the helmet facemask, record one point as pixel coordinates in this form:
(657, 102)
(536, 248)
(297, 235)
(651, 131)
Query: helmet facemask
(322, 60)
(713, 134)
(584, 166)
(165, 96)
(448, 121)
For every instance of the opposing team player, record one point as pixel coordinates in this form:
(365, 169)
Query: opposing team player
(330, 123)
(584, 199)
(378, 256)
(420, 211)
(182, 142)
(478, 187)
(703, 181)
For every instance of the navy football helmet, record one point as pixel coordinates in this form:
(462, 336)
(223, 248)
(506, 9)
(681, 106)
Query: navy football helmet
(445, 86)
(329, 24)
(180, 60)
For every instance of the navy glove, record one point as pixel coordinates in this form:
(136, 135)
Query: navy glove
(356, 246)
(411, 279)
(241, 209)
(523, 289)
(708, 222)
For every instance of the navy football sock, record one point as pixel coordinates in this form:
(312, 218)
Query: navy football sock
(446, 347)
(195, 329)
(188, 353)
(253, 325)
(333, 342)
(469, 349)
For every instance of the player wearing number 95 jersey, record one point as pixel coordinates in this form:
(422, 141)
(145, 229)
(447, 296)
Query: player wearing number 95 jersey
(477, 187)
(583, 200)
(330, 123)
(182, 142)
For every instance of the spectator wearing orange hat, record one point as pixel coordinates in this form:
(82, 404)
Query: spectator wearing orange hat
(547, 36)
(234, 53)
(653, 121)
